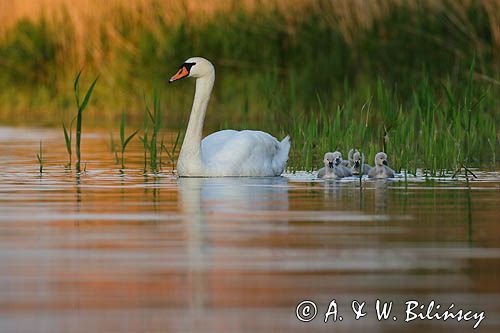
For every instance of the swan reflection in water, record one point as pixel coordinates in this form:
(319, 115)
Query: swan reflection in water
(217, 214)
(199, 196)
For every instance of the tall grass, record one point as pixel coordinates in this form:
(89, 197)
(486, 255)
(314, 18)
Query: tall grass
(435, 133)
(97, 24)
(317, 45)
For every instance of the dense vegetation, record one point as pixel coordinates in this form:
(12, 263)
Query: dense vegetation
(419, 80)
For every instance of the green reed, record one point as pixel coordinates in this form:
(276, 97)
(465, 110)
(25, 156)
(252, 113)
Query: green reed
(172, 152)
(39, 157)
(152, 126)
(81, 105)
(434, 130)
(124, 141)
(68, 138)
(113, 149)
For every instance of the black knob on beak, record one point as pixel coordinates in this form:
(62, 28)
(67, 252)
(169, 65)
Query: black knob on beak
(384, 162)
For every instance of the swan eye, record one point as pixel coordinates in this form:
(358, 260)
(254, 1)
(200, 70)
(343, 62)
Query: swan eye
(188, 65)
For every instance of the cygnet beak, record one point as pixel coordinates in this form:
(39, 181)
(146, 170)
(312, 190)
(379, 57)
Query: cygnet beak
(384, 162)
(330, 164)
(337, 161)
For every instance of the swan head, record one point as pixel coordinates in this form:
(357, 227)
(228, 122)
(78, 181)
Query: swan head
(337, 157)
(329, 160)
(193, 67)
(381, 159)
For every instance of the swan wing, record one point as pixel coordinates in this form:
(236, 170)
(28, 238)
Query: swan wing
(244, 153)
(215, 141)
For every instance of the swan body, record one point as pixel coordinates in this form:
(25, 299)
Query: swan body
(381, 170)
(226, 153)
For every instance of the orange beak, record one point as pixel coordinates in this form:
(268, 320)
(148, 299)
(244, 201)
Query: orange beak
(183, 72)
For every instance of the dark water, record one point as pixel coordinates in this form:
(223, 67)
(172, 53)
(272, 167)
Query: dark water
(108, 252)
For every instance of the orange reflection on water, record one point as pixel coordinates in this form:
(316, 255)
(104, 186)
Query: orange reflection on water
(112, 252)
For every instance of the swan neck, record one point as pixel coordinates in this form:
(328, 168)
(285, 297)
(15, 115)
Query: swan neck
(200, 103)
(190, 156)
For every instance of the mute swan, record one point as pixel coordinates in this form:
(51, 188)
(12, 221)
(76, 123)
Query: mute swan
(333, 168)
(224, 153)
(381, 170)
(356, 160)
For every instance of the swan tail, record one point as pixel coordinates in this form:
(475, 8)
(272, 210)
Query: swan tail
(281, 157)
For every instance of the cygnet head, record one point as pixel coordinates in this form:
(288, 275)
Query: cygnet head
(356, 157)
(337, 157)
(194, 67)
(381, 159)
(350, 153)
(329, 160)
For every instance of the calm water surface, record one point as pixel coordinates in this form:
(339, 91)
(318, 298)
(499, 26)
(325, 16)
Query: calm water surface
(112, 252)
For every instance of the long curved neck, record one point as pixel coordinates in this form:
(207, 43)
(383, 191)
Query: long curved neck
(190, 155)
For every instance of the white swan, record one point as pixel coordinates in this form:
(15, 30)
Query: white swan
(224, 153)
(381, 170)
